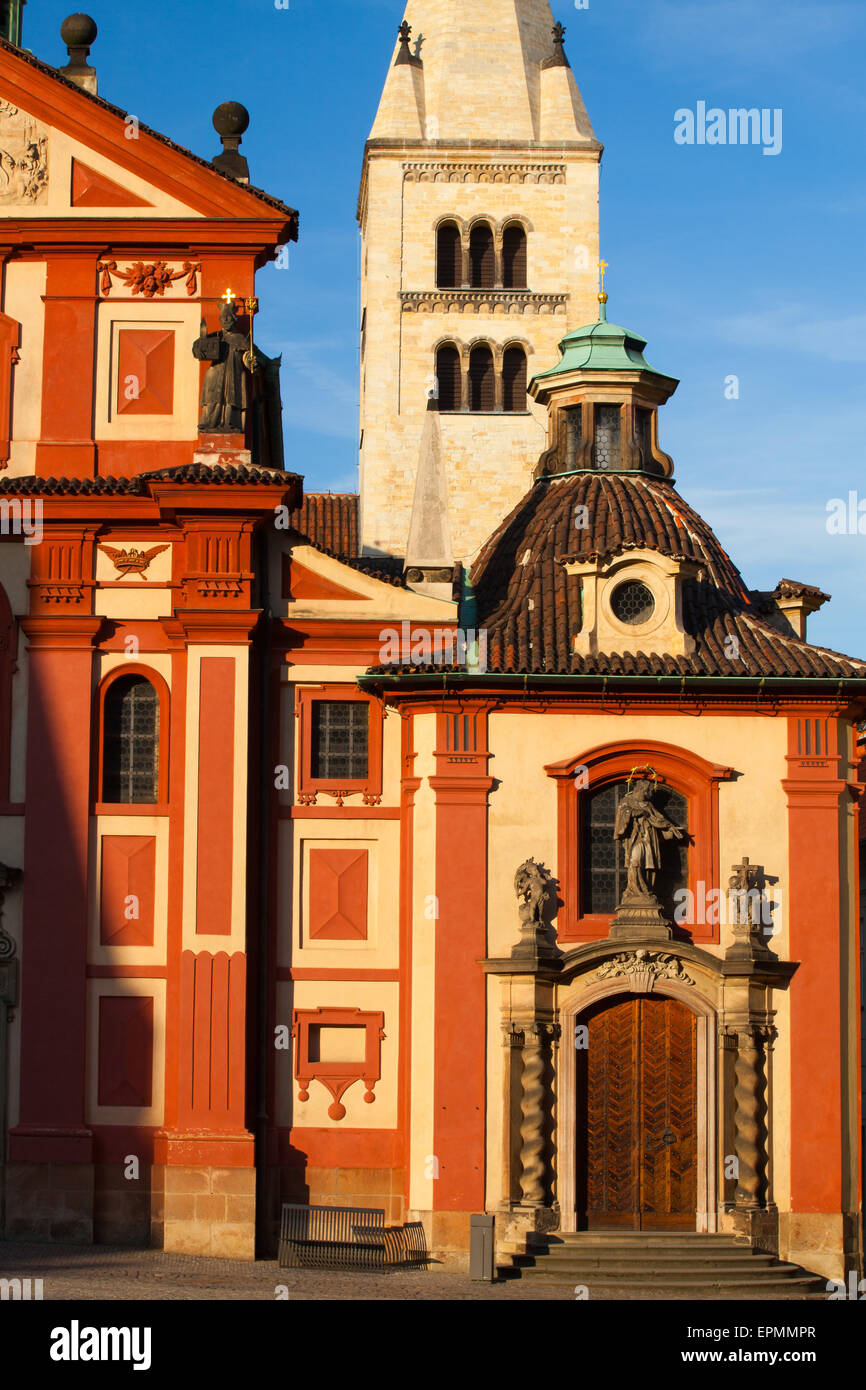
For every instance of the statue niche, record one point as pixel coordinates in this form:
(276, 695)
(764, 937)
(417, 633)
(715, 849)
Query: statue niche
(641, 826)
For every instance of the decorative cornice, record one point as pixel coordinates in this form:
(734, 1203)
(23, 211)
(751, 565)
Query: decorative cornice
(452, 171)
(480, 301)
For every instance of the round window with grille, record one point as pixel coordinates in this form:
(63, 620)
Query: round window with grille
(632, 602)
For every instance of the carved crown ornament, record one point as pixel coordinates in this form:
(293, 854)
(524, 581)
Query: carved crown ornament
(150, 279)
(643, 968)
(133, 560)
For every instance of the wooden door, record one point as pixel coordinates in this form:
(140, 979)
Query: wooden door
(637, 1116)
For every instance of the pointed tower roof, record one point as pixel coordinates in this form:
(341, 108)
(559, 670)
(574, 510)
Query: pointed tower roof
(486, 72)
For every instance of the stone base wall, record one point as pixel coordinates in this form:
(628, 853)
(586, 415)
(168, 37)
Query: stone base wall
(50, 1202)
(823, 1242)
(121, 1206)
(204, 1211)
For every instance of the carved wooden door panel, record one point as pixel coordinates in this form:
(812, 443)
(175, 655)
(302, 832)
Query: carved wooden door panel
(637, 1116)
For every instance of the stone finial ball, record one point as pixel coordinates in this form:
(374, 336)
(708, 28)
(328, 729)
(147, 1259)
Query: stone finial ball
(78, 30)
(230, 118)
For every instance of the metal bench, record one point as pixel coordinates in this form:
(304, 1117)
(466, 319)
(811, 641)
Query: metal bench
(348, 1238)
(332, 1237)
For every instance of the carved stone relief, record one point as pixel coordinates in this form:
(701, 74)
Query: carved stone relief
(23, 157)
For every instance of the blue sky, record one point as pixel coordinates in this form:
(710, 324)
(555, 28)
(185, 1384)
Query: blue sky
(728, 261)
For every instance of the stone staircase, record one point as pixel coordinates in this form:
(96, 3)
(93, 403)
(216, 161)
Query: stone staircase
(658, 1264)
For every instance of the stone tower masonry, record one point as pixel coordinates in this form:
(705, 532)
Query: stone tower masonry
(480, 120)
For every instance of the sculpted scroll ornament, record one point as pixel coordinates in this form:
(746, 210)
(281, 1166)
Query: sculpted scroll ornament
(23, 157)
(643, 969)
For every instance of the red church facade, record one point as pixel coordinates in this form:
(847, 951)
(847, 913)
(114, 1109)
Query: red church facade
(308, 911)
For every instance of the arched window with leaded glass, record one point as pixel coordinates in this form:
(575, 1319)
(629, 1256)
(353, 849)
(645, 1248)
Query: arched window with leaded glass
(130, 742)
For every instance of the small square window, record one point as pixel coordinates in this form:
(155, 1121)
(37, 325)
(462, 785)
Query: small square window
(340, 739)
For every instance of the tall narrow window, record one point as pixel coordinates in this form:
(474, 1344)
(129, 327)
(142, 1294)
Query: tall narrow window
(482, 387)
(514, 379)
(449, 257)
(603, 870)
(340, 739)
(482, 261)
(514, 257)
(130, 753)
(573, 435)
(608, 436)
(448, 377)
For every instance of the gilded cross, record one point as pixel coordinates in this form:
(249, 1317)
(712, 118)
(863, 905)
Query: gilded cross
(602, 267)
(229, 296)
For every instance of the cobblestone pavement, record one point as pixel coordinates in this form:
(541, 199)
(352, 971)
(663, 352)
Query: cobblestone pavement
(97, 1272)
(91, 1272)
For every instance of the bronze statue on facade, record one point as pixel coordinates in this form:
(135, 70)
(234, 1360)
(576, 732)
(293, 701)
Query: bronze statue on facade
(225, 391)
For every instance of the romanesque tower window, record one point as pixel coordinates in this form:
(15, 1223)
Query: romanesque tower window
(603, 872)
(448, 377)
(340, 739)
(130, 753)
(482, 257)
(482, 379)
(514, 379)
(514, 257)
(449, 257)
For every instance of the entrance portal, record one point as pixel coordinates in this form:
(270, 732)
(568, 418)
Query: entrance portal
(637, 1116)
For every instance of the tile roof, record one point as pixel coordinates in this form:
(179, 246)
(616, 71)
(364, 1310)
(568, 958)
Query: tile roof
(530, 607)
(136, 485)
(329, 521)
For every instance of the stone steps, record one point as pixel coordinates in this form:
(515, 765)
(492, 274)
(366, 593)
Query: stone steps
(670, 1264)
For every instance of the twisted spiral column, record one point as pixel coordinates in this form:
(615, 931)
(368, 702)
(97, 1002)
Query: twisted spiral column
(748, 1121)
(532, 1165)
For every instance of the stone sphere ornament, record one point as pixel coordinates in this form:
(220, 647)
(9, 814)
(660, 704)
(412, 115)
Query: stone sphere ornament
(78, 31)
(231, 118)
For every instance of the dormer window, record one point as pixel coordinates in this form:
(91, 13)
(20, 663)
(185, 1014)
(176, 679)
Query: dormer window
(608, 437)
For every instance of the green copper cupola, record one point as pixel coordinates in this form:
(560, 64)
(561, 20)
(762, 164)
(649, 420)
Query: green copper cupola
(602, 399)
(10, 20)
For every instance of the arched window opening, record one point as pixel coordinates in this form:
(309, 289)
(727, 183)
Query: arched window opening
(449, 257)
(603, 868)
(514, 257)
(482, 387)
(448, 377)
(514, 379)
(130, 749)
(482, 260)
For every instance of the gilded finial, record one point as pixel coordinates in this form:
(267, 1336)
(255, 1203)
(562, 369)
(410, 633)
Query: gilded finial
(602, 294)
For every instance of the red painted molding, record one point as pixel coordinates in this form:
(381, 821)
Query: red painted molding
(337, 1077)
(818, 1101)
(370, 787)
(211, 1048)
(688, 773)
(216, 760)
(459, 1086)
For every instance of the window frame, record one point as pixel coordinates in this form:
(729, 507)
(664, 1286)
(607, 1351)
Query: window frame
(131, 808)
(683, 771)
(308, 786)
